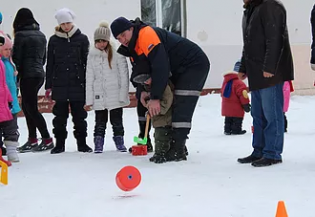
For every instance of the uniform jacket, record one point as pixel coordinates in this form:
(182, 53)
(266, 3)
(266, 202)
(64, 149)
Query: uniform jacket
(234, 95)
(266, 44)
(167, 53)
(142, 66)
(66, 65)
(106, 88)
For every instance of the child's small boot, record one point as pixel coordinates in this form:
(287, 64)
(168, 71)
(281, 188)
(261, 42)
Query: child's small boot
(237, 127)
(119, 142)
(227, 125)
(162, 137)
(11, 151)
(98, 144)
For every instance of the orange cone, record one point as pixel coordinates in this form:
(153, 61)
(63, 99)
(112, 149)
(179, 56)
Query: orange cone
(281, 210)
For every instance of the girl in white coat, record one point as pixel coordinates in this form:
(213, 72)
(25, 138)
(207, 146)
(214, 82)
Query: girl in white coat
(107, 88)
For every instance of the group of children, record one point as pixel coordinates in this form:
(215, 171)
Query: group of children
(235, 102)
(96, 78)
(84, 78)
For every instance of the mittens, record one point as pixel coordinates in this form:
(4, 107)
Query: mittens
(246, 107)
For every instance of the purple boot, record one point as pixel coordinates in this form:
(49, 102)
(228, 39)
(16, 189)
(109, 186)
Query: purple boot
(99, 143)
(119, 142)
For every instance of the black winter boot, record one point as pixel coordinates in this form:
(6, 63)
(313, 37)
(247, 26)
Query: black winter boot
(162, 136)
(227, 125)
(171, 151)
(177, 151)
(236, 127)
(60, 146)
(82, 146)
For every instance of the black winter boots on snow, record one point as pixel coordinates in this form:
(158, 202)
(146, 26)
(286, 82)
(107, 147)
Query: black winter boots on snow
(233, 126)
(81, 144)
(162, 140)
(178, 151)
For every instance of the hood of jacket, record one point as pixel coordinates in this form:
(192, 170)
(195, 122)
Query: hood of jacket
(230, 76)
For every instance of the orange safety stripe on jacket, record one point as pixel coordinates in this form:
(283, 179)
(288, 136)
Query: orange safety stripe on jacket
(147, 40)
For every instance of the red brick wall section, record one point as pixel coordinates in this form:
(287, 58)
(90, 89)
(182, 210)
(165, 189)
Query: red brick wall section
(46, 106)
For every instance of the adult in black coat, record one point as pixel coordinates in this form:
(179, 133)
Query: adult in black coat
(29, 56)
(65, 78)
(267, 63)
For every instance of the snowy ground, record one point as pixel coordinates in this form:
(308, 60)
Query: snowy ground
(210, 183)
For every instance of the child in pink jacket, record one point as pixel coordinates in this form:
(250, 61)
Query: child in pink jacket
(287, 89)
(7, 122)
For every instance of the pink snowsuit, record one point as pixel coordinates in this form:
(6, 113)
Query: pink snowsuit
(286, 96)
(5, 96)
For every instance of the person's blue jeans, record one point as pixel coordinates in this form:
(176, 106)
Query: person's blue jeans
(268, 122)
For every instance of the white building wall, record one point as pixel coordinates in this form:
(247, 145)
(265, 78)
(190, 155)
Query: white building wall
(88, 14)
(215, 25)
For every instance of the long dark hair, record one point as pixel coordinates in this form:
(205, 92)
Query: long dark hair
(23, 17)
(109, 50)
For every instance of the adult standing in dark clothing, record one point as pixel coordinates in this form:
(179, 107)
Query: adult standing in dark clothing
(267, 63)
(168, 55)
(29, 56)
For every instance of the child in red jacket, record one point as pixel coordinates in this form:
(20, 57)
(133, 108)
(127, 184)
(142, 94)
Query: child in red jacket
(234, 102)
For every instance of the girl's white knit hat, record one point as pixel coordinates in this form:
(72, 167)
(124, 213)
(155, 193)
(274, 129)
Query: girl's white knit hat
(64, 15)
